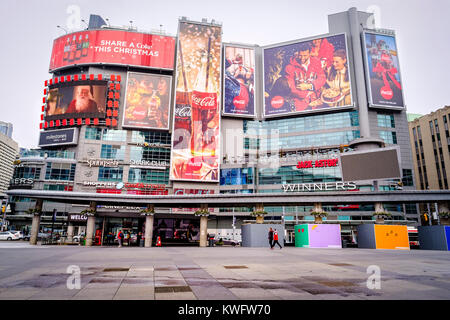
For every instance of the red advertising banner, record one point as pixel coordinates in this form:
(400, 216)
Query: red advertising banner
(195, 138)
(113, 47)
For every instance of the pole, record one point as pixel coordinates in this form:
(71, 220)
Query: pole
(53, 223)
(429, 214)
(4, 213)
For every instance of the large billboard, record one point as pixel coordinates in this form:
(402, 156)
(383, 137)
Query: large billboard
(147, 101)
(195, 134)
(114, 47)
(383, 163)
(58, 137)
(307, 76)
(239, 81)
(384, 83)
(83, 99)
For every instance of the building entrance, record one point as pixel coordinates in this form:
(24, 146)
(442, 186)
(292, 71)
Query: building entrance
(172, 231)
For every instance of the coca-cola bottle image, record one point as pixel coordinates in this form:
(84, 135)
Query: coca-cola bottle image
(73, 48)
(85, 49)
(204, 109)
(154, 113)
(66, 50)
(79, 48)
(182, 121)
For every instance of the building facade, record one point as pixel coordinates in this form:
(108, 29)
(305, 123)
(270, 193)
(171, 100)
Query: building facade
(430, 144)
(118, 150)
(8, 152)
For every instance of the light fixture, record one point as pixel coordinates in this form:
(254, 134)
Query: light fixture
(62, 29)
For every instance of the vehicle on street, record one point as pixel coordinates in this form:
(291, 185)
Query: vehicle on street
(19, 233)
(8, 235)
(227, 241)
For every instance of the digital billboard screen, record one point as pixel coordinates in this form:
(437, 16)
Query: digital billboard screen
(114, 47)
(147, 101)
(307, 76)
(382, 163)
(382, 70)
(85, 99)
(195, 137)
(239, 81)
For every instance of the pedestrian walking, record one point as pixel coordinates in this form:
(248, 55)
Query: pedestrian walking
(271, 238)
(275, 239)
(120, 238)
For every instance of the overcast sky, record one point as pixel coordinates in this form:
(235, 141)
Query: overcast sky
(29, 28)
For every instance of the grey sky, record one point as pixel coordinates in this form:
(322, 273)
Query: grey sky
(29, 28)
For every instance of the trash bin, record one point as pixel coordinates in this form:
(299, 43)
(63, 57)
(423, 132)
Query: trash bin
(211, 240)
(141, 242)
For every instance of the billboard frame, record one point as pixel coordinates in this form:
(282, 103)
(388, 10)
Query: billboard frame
(325, 110)
(74, 141)
(169, 107)
(367, 73)
(77, 65)
(73, 84)
(243, 46)
(174, 101)
(389, 148)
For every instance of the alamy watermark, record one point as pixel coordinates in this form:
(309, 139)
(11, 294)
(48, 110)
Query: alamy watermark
(374, 280)
(74, 280)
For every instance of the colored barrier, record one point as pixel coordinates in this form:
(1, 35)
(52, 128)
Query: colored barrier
(318, 236)
(380, 236)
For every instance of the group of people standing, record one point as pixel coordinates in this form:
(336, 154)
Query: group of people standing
(273, 238)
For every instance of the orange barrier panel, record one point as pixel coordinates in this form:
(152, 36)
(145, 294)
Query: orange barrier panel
(391, 237)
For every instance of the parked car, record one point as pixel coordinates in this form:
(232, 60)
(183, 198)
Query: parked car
(8, 235)
(227, 241)
(78, 237)
(19, 233)
(27, 237)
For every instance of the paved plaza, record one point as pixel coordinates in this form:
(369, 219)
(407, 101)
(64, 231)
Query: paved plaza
(220, 273)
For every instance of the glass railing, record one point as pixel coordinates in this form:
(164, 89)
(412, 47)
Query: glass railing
(48, 154)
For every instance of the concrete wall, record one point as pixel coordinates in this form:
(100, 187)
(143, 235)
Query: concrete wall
(256, 235)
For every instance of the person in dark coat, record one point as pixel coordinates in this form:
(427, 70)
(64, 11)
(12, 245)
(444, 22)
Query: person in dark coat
(270, 238)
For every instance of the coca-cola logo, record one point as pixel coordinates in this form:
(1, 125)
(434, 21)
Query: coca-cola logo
(183, 111)
(277, 102)
(240, 103)
(204, 100)
(386, 92)
(139, 113)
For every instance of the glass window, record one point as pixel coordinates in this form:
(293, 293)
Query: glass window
(94, 133)
(386, 120)
(160, 137)
(60, 171)
(150, 154)
(236, 176)
(110, 174)
(138, 175)
(407, 178)
(112, 152)
(390, 137)
(27, 173)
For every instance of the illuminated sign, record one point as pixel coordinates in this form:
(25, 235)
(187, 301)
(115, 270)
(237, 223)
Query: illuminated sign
(322, 186)
(317, 163)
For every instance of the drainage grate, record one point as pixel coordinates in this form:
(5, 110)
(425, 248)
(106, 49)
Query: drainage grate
(166, 289)
(235, 267)
(115, 269)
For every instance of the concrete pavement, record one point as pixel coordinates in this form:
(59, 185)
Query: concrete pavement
(220, 273)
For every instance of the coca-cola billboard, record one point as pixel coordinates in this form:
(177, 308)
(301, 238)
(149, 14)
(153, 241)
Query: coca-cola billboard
(113, 47)
(384, 83)
(147, 101)
(307, 76)
(239, 81)
(195, 137)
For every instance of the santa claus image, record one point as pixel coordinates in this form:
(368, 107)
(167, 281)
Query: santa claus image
(83, 100)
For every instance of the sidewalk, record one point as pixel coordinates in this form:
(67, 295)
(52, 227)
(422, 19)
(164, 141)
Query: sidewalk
(222, 273)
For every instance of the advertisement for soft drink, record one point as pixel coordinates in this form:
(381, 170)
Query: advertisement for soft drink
(307, 76)
(113, 47)
(195, 137)
(239, 81)
(383, 70)
(147, 101)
